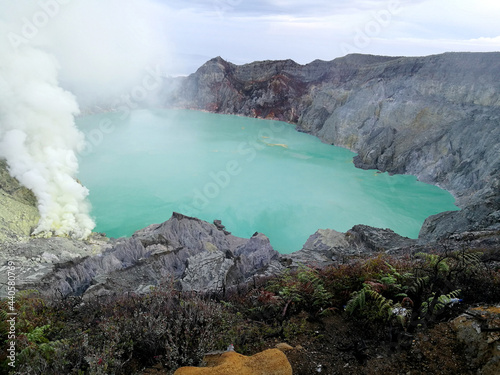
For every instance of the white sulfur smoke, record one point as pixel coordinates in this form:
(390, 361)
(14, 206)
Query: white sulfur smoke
(104, 48)
(38, 137)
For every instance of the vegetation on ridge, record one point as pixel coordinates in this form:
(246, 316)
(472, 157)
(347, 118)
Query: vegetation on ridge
(344, 313)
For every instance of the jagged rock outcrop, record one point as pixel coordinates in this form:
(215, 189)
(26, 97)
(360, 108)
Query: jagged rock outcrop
(195, 254)
(37, 259)
(328, 246)
(436, 117)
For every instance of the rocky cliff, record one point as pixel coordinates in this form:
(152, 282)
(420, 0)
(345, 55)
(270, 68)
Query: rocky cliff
(435, 117)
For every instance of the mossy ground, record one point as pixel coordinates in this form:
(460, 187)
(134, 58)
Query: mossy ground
(17, 220)
(18, 212)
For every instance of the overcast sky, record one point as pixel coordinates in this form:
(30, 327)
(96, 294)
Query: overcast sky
(242, 31)
(103, 46)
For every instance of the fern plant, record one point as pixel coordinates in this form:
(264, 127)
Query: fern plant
(468, 262)
(384, 308)
(435, 261)
(418, 285)
(372, 304)
(304, 288)
(436, 303)
(311, 281)
(396, 275)
(396, 281)
(471, 259)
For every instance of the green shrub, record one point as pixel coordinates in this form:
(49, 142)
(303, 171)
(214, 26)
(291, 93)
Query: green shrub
(301, 290)
(120, 335)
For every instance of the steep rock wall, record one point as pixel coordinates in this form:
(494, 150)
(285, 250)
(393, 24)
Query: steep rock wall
(435, 117)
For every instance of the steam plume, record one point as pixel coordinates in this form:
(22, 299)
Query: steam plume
(104, 48)
(38, 137)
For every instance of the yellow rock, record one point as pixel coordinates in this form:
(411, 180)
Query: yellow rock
(268, 362)
(284, 347)
(277, 145)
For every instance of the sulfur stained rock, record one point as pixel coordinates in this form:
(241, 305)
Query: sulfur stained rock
(284, 346)
(268, 362)
(18, 212)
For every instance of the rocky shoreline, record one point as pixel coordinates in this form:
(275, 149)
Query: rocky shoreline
(199, 256)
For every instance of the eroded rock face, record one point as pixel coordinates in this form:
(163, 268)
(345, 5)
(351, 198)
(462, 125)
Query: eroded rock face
(479, 215)
(436, 117)
(196, 254)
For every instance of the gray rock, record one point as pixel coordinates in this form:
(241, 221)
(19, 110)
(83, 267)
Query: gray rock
(328, 246)
(194, 254)
(256, 254)
(475, 330)
(38, 258)
(375, 240)
(206, 271)
(321, 249)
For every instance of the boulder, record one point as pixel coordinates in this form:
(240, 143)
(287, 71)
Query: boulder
(479, 330)
(328, 246)
(268, 362)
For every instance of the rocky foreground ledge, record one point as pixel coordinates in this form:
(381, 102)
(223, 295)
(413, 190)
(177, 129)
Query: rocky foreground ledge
(197, 256)
(194, 254)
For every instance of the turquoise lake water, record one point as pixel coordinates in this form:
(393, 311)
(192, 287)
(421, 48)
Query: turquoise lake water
(254, 175)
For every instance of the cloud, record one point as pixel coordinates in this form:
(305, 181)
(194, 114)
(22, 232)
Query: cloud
(102, 47)
(243, 31)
